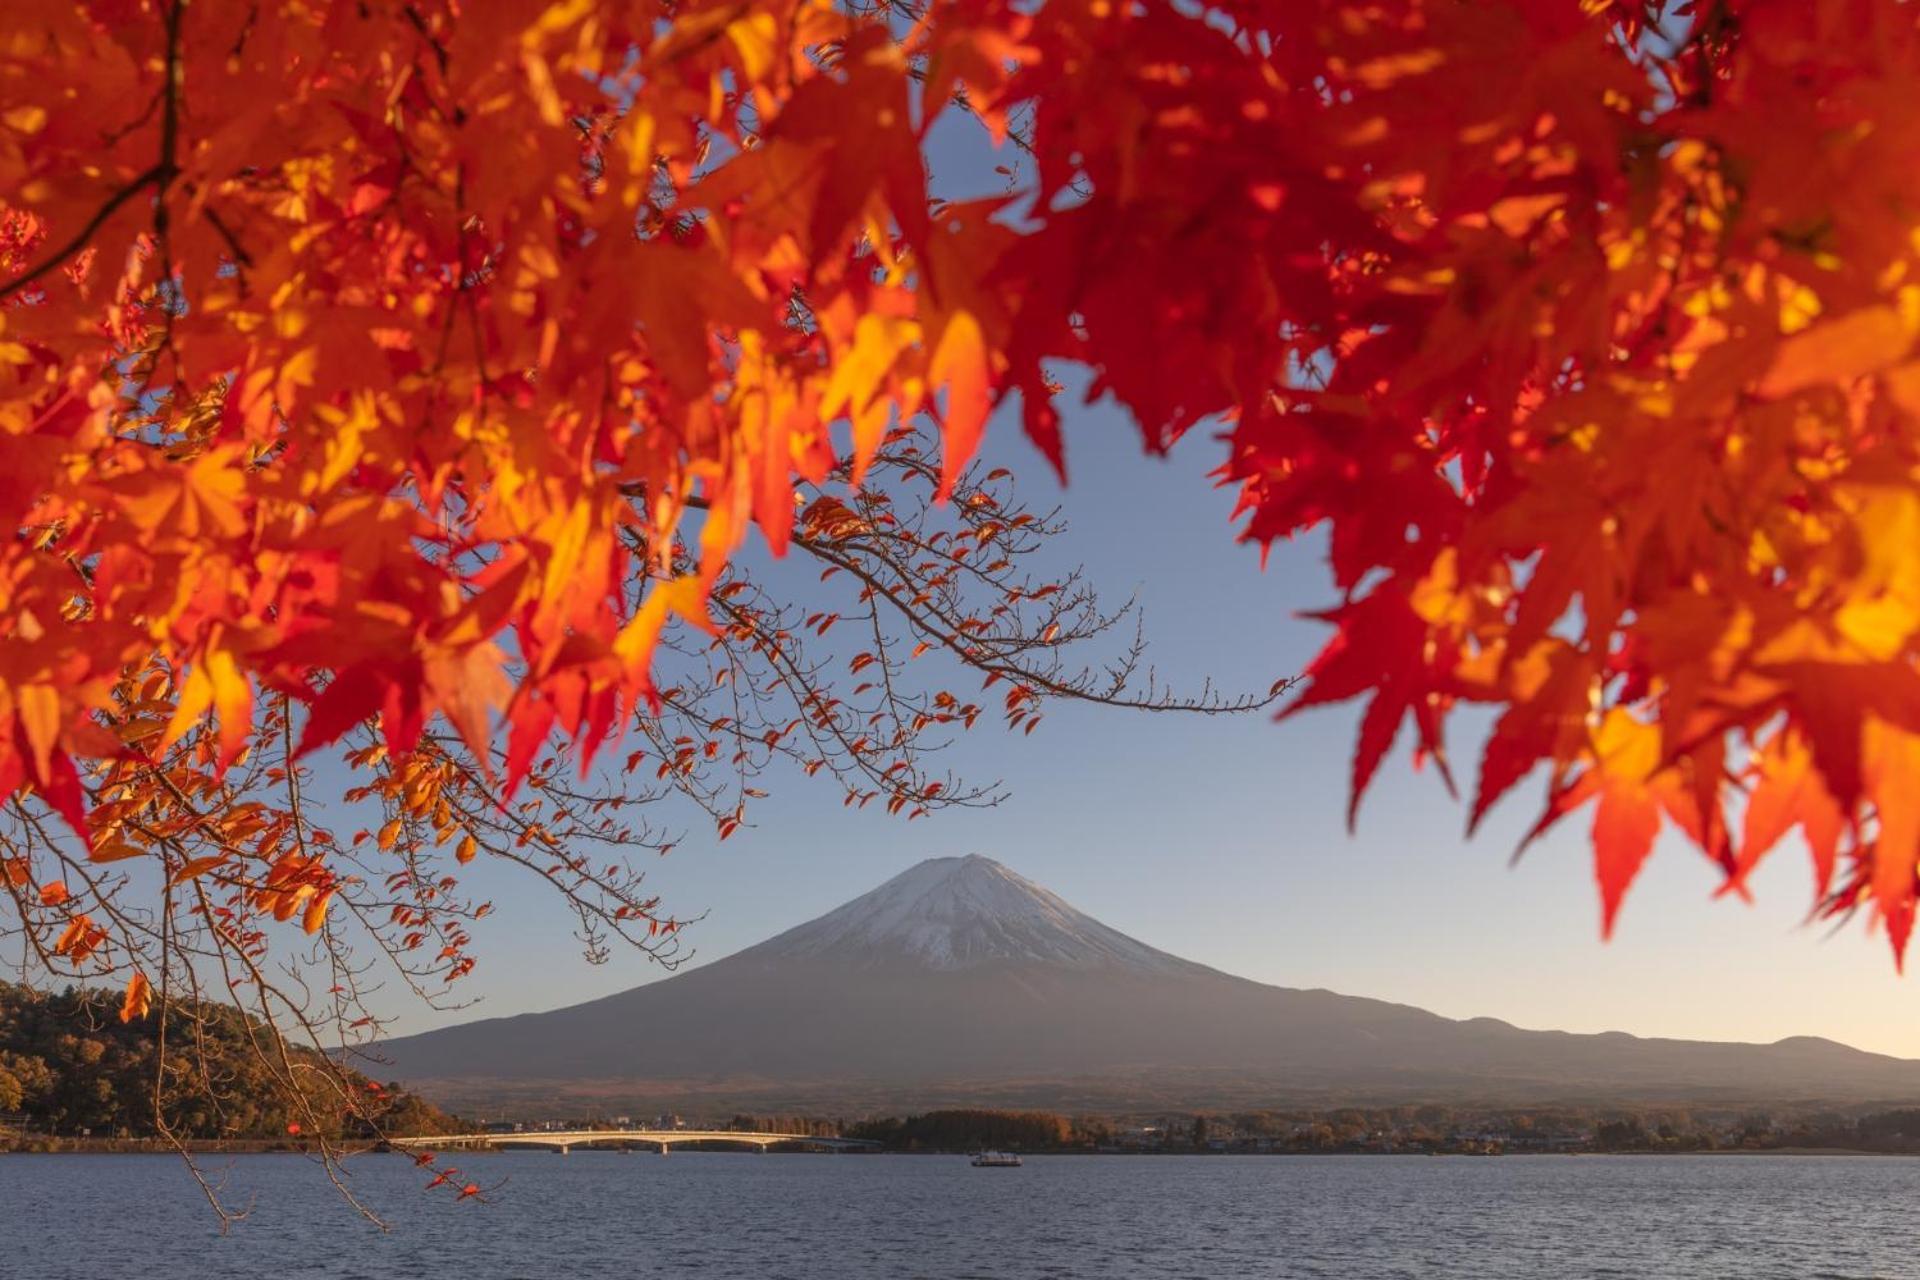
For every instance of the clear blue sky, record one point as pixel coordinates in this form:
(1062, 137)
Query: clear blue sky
(1224, 840)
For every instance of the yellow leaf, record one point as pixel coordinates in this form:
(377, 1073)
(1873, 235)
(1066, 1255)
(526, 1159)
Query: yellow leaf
(877, 343)
(1851, 346)
(960, 361)
(1882, 608)
(139, 998)
(316, 913)
(37, 706)
(215, 681)
(756, 36)
(1378, 73)
(1903, 387)
(1516, 215)
(28, 119)
(540, 84)
(1891, 760)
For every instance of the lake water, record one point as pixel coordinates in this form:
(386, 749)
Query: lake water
(727, 1215)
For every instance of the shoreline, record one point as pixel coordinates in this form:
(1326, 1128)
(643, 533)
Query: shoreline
(44, 1146)
(283, 1147)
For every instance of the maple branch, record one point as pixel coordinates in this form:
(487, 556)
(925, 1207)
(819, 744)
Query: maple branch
(971, 652)
(175, 71)
(419, 24)
(241, 257)
(80, 238)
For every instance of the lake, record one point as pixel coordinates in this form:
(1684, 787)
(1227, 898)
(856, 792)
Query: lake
(596, 1214)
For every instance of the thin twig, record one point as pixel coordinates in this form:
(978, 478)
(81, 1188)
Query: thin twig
(86, 233)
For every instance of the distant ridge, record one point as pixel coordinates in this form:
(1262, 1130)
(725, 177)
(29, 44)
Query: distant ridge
(959, 980)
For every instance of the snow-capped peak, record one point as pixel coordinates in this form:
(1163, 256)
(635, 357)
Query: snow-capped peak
(959, 913)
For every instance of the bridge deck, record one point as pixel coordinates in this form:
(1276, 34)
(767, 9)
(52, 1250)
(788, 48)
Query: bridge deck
(563, 1139)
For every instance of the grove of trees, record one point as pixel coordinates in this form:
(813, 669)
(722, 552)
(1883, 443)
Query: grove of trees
(69, 1066)
(967, 1129)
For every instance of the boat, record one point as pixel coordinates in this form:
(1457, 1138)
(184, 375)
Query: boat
(996, 1160)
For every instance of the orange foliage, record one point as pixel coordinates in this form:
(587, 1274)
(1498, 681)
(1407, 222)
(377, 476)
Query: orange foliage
(364, 354)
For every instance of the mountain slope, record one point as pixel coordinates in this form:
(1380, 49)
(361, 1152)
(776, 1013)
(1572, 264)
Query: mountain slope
(959, 979)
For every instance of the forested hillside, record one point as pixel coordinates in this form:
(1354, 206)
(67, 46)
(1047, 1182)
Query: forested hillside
(68, 1064)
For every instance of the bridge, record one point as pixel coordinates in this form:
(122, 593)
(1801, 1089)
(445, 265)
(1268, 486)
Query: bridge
(562, 1141)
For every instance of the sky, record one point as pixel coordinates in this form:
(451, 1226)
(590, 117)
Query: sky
(1224, 840)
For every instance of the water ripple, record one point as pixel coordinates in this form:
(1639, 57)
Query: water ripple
(808, 1217)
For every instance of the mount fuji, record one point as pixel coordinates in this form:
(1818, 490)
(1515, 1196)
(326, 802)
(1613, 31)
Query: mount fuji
(960, 981)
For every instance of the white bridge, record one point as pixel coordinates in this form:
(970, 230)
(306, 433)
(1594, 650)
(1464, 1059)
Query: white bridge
(561, 1141)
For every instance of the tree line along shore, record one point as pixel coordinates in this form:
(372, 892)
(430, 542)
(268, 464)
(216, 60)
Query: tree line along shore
(75, 1077)
(1402, 1130)
(1348, 1131)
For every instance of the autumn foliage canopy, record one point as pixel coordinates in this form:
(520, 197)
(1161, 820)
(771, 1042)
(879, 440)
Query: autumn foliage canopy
(398, 377)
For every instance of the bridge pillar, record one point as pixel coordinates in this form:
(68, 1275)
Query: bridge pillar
(663, 1148)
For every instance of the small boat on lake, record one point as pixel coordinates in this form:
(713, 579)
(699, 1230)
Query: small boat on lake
(996, 1160)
